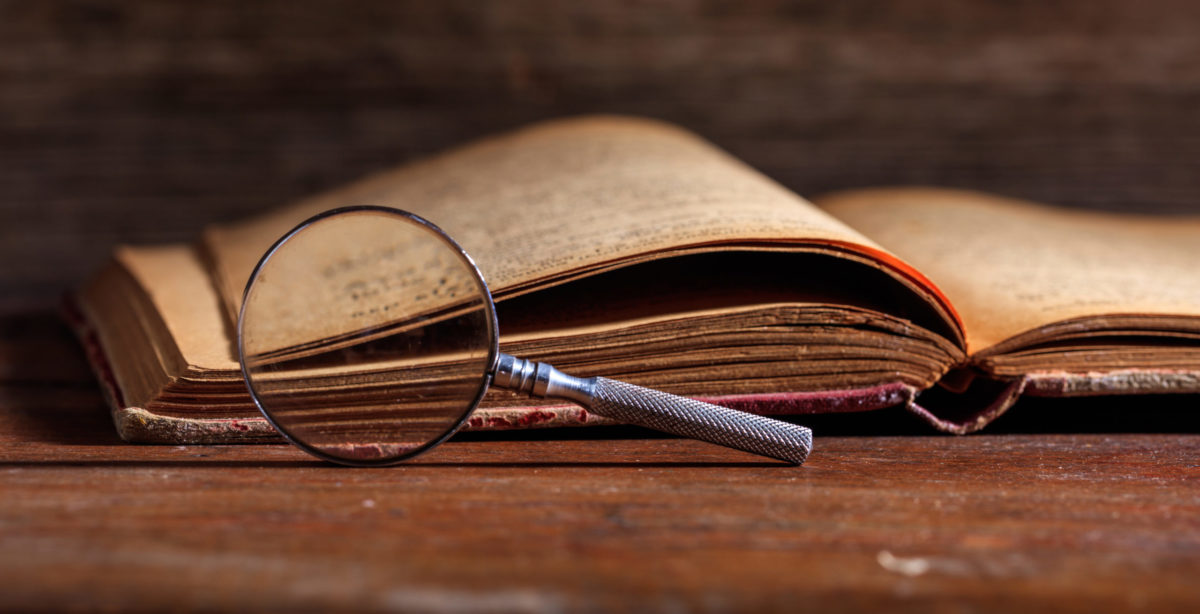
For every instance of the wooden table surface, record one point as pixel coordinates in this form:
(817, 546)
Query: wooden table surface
(567, 522)
(143, 121)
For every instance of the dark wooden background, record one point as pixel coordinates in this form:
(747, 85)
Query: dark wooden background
(141, 121)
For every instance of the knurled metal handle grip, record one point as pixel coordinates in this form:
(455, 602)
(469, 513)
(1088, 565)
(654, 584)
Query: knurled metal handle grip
(657, 410)
(698, 420)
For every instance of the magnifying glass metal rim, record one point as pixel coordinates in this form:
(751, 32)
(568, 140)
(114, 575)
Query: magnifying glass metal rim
(623, 402)
(492, 325)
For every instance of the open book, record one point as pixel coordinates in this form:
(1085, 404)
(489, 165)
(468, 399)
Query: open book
(633, 249)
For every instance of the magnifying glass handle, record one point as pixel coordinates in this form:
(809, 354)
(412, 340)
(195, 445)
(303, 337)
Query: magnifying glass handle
(658, 410)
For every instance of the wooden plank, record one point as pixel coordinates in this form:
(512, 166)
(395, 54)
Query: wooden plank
(992, 522)
(142, 121)
(605, 519)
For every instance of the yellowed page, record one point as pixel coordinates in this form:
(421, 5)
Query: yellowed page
(179, 287)
(182, 298)
(1011, 266)
(560, 197)
(354, 277)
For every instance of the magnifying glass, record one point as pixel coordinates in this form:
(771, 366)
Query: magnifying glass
(367, 336)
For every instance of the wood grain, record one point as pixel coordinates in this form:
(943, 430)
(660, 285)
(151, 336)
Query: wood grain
(142, 121)
(610, 520)
(1062, 523)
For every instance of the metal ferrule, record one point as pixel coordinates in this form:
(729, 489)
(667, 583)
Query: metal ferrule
(541, 380)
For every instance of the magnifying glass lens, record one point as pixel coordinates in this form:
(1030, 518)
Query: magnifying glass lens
(367, 336)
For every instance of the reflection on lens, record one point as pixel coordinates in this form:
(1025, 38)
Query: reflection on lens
(366, 335)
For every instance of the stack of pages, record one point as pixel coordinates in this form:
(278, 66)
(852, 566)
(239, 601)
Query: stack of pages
(635, 250)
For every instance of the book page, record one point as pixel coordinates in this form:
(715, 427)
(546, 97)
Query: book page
(355, 277)
(543, 203)
(1011, 266)
(177, 285)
